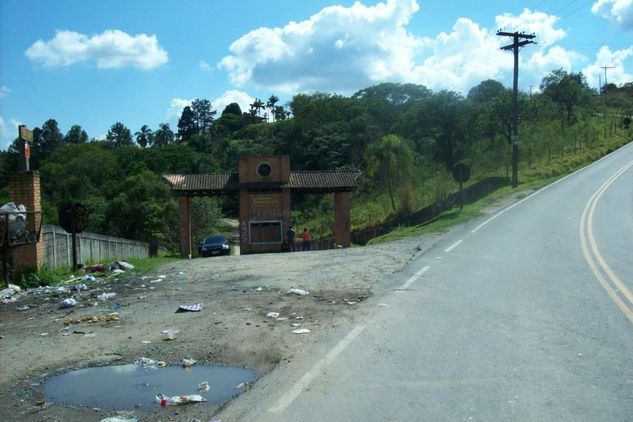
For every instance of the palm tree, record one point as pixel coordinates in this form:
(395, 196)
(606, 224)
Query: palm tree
(271, 105)
(257, 106)
(164, 136)
(144, 136)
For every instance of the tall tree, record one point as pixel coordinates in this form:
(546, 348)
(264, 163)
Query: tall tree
(187, 125)
(391, 159)
(119, 135)
(76, 135)
(144, 137)
(203, 115)
(271, 104)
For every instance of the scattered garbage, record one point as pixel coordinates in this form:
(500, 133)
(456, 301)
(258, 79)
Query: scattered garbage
(240, 385)
(203, 386)
(149, 363)
(259, 289)
(146, 342)
(17, 222)
(121, 265)
(105, 296)
(117, 271)
(299, 292)
(178, 400)
(190, 308)
(188, 362)
(6, 300)
(114, 316)
(82, 287)
(120, 419)
(272, 314)
(9, 294)
(22, 308)
(296, 324)
(67, 303)
(351, 303)
(89, 278)
(300, 331)
(170, 333)
(96, 268)
(281, 319)
(158, 280)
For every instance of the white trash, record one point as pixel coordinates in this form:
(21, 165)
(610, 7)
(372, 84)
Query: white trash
(105, 296)
(67, 303)
(299, 292)
(272, 314)
(300, 331)
(170, 333)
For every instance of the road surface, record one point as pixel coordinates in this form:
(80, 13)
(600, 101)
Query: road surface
(523, 316)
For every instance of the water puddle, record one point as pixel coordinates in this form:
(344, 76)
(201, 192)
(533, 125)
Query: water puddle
(131, 386)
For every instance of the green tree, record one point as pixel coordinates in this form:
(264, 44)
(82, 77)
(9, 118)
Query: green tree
(391, 159)
(164, 136)
(187, 126)
(271, 104)
(119, 135)
(75, 135)
(203, 115)
(144, 137)
(568, 90)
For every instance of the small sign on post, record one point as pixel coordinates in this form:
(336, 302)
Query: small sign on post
(26, 137)
(461, 174)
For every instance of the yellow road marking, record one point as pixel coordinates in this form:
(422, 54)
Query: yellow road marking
(590, 249)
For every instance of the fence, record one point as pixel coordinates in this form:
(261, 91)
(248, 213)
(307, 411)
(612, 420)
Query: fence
(470, 194)
(90, 247)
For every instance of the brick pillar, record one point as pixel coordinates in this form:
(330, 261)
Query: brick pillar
(244, 213)
(184, 225)
(342, 234)
(24, 188)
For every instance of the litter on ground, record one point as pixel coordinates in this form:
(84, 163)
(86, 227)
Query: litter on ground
(299, 292)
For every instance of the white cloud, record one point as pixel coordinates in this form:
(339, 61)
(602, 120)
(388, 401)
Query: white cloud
(620, 11)
(176, 105)
(8, 134)
(244, 100)
(342, 49)
(614, 59)
(232, 96)
(111, 49)
(4, 91)
(339, 49)
(532, 23)
(205, 66)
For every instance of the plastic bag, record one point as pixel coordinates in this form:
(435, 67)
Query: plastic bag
(164, 400)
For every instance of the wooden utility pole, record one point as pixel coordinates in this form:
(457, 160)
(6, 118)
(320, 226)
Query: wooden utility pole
(519, 39)
(605, 73)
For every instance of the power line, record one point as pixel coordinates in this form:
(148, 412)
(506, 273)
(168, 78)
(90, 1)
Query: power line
(564, 7)
(578, 9)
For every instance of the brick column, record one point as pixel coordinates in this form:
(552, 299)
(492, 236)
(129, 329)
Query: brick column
(342, 234)
(24, 188)
(184, 225)
(245, 217)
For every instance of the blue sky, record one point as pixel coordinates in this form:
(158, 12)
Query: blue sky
(94, 63)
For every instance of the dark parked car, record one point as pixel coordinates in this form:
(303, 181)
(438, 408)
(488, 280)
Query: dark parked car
(214, 245)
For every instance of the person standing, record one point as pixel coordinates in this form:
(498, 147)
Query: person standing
(290, 238)
(307, 240)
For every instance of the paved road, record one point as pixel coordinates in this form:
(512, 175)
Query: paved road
(527, 316)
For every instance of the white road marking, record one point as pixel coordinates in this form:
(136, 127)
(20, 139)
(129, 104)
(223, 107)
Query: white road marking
(453, 246)
(413, 278)
(309, 376)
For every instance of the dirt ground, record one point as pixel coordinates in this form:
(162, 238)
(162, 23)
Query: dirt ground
(232, 329)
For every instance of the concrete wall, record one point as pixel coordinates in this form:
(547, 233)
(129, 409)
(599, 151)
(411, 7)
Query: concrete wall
(90, 247)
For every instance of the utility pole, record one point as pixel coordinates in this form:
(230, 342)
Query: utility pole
(519, 39)
(605, 73)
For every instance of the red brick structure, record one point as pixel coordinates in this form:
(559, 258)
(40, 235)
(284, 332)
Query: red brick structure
(264, 186)
(24, 188)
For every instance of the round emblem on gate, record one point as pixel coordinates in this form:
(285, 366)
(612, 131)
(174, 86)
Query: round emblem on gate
(264, 170)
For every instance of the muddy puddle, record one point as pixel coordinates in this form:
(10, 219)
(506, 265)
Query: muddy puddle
(128, 387)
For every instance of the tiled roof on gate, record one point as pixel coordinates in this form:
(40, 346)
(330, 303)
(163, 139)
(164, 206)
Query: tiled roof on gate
(203, 182)
(324, 180)
(307, 181)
